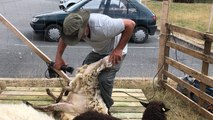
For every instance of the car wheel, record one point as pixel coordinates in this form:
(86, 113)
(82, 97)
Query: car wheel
(140, 35)
(61, 7)
(53, 33)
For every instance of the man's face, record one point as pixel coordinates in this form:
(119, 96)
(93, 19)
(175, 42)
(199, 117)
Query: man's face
(86, 33)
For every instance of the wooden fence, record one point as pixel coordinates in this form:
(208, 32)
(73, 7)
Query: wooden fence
(166, 61)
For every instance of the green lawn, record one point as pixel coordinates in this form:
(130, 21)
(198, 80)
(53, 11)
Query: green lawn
(194, 16)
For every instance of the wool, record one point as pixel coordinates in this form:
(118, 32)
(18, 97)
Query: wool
(84, 93)
(21, 112)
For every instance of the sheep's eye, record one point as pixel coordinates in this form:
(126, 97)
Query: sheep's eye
(163, 109)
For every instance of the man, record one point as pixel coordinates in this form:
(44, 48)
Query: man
(106, 35)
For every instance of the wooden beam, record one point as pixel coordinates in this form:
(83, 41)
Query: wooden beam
(55, 82)
(194, 53)
(190, 32)
(197, 75)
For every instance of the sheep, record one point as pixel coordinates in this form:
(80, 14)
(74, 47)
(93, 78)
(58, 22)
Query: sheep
(84, 92)
(155, 110)
(21, 112)
(94, 115)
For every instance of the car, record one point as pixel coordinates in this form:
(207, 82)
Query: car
(67, 3)
(51, 24)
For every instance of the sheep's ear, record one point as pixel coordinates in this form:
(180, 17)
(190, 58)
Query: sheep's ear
(165, 109)
(144, 104)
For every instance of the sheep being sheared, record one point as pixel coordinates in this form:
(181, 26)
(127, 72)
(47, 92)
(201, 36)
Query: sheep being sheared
(21, 112)
(84, 93)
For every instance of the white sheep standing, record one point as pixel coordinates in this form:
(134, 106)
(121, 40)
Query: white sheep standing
(21, 112)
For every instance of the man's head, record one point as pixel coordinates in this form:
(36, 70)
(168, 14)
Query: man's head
(73, 26)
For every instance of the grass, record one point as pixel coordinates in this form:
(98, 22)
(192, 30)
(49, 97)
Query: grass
(194, 16)
(179, 110)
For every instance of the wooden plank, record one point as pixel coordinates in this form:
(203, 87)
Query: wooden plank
(31, 82)
(38, 89)
(128, 115)
(58, 89)
(45, 97)
(191, 52)
(126, 104)
(189, 87)
(40, 93)
(28, 98)
(199, 76)
(129, 109)
(191, 103)
(191, 33)
(126, 99)
(127, 90)
(33, 102)
(129, 83)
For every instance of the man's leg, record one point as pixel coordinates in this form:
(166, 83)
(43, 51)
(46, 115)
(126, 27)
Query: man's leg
(106, 82)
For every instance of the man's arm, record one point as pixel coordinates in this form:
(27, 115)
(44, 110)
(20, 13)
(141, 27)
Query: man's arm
(116, 55)
(58, 59)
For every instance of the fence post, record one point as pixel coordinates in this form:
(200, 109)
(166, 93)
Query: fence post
(205, 69)
(163, 50)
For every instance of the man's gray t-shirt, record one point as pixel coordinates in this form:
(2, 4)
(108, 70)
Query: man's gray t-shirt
(104, 33)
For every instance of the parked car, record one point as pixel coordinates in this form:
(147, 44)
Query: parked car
(67, 3)
(50, 24)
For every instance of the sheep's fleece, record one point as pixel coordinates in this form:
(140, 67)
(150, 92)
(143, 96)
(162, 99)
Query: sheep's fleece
(21, 112)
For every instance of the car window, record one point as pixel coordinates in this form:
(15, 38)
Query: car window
(95, 6)
(113, 8)
(121, 8)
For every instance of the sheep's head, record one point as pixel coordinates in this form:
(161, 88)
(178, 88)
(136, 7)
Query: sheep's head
(157, 105)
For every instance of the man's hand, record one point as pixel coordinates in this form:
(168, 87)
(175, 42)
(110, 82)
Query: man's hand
(58, 64)
(116, 56)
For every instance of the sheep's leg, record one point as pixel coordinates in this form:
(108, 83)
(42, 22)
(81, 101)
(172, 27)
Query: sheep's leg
(59, 98)
(64, 107)
(51, 94)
